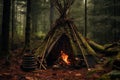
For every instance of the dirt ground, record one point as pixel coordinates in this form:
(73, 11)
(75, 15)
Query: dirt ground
(11, 71)
(49, 74)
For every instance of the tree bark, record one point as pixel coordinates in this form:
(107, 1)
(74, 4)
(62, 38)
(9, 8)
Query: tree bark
(5, 28)
(13, 23)
(115, 26)
(28, 25)
(51, 13)
(85, 29)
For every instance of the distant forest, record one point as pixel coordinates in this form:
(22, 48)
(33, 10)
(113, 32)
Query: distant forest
(101, 17)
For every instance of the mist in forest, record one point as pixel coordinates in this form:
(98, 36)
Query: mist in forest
(102, 18)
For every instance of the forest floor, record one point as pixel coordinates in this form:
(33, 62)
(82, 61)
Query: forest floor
(11, 70)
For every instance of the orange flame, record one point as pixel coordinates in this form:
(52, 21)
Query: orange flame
(65, 58)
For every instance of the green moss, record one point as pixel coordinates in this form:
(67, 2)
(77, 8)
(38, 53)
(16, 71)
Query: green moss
(104, 77)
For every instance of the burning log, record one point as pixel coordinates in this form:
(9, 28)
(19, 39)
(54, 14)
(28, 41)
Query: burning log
(65, 58)
(63, 61)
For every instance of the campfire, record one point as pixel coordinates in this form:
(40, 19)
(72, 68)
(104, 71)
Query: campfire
(64, 60)
(64, 57)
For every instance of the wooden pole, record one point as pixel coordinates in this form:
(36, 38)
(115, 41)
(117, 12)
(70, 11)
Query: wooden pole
(85, 28)
(80, 47)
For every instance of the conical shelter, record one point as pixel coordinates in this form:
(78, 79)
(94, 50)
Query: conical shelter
(64, 36)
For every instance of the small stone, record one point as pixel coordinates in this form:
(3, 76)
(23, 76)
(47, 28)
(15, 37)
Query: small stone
(29, 78)
(56, 67)
(70, 72)
(78, 74)
(89, 69)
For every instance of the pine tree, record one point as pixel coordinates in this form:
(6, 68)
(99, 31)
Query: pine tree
(5, 28)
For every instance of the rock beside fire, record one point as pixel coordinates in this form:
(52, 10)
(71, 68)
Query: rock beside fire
(55, 67)
(77, 63)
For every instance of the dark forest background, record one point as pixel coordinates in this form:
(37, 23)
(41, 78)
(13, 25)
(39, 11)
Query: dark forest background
(36, 17)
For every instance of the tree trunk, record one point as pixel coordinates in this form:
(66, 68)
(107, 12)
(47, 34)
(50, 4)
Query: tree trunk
(85, 29)
(34, 23)
(16, 14)
(28, 25)
(51, 13)
(12, 23)
(115, 26)
(5, 28)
